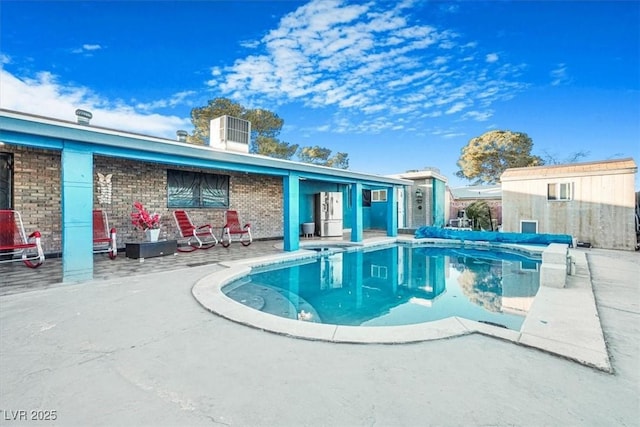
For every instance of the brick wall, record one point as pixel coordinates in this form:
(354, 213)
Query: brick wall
(257, 198)
(36, 192)
(37, 195)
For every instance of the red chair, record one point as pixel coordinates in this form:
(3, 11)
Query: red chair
(104, 238)
(14, 241)
(232, 227)
(200, 237)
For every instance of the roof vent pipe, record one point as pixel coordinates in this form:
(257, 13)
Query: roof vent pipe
(182, 135)
(84, 116)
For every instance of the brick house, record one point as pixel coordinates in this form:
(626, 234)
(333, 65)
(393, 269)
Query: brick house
(56, 172)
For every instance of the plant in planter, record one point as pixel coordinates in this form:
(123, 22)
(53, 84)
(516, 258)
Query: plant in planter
(143, 220)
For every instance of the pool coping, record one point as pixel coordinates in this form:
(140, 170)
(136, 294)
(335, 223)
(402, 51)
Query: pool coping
(563, 322)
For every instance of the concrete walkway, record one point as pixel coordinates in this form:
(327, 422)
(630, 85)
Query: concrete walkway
(142, 351)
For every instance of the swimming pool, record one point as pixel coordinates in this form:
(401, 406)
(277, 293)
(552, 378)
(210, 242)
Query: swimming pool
(395, 285)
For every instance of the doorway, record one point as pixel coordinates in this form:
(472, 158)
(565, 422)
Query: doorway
(6, 175)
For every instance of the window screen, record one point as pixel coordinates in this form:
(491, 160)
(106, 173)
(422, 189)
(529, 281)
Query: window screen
(197, 190)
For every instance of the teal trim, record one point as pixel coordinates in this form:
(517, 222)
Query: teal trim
(291, 202)
(358, 278)
(109, 142)
(357, 223)
(77, 220)
(28, 140)
(438, 203)
(308, 191)
(392, 213)
(393, 268)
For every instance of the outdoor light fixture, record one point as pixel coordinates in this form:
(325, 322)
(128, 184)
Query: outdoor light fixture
(419, 195)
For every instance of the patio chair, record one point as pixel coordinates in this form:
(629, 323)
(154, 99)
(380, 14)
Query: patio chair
(14, 241)
(198, 237)
(104, 238)
(232, 228)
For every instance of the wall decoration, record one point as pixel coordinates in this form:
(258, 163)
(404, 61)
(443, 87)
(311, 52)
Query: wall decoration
(104, 188)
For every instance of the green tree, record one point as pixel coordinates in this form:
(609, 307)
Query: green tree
(321, 156)
(273, 147)
(480, 215)
(339, 161)
(485, 157)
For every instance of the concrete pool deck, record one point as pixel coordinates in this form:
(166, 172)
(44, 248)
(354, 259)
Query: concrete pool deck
(140, 350)
(563, 322)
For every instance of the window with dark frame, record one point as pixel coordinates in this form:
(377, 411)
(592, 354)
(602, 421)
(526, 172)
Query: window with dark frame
(186, 189)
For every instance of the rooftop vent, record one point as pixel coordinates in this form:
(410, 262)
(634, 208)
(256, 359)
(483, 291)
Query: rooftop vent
(84, 116)
(182, 135)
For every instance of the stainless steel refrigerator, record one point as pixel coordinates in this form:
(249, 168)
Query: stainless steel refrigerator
(328, 207)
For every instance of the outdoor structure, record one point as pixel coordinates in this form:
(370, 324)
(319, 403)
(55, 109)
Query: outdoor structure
(57, 172)
(424, 200)
(593, 202)
(461, 197)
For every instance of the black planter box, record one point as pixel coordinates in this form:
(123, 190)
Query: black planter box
(142, 250)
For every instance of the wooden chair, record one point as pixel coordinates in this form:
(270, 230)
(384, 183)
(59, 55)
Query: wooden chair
(14, 241)
(198, 237)
(104, 238)
(232, 228)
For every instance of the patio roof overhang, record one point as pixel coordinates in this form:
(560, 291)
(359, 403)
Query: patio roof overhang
(42, 132)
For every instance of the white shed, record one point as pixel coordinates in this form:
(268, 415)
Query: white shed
(594, 202)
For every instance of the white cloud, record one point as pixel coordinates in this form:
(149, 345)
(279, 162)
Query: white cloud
(43, 95)
(5, 59)
(370, 58)
(458, 106)
(87, 48)
(492, 57)
(559, 75)
(91, 46)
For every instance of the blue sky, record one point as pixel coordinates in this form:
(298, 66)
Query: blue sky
(397, 85)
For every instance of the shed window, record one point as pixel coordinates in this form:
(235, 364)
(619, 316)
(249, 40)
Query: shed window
(379, 195)
(559, 191)
(197, 190)
(529, 226)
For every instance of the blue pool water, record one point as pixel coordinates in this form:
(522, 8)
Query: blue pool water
(395, 285)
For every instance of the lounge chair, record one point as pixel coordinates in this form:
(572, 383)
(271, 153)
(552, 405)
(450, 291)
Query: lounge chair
(198, 237)
(104, 238)
(14, 241)
(232, 228)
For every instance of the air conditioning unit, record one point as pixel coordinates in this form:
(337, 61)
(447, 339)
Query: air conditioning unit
(230, 133)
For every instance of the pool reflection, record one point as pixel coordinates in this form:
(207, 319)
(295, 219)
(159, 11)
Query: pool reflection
(396, 285)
